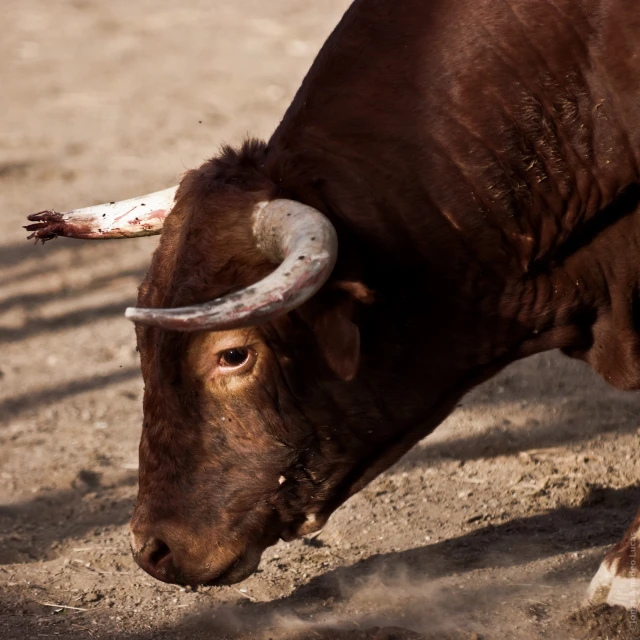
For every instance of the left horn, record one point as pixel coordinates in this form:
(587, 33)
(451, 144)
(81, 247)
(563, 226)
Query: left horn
(142, 216)
(298, 237)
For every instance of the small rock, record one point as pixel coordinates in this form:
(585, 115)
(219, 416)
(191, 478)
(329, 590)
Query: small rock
(92, 596)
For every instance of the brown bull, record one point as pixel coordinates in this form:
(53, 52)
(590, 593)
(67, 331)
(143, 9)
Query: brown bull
(477, 163)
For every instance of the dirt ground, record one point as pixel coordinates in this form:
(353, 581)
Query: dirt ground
(490, 528)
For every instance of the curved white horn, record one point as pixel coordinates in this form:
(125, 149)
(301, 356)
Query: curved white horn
(142, 216)
(297, 236)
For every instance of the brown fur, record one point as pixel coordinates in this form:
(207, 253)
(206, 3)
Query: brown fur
(479, 159)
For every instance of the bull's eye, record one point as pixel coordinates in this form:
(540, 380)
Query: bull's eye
(234, 358)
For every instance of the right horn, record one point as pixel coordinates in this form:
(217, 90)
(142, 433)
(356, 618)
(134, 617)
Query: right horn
(295, 235)
(141, 216)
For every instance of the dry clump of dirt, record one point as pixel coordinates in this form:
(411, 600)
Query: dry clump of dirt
(604, 623)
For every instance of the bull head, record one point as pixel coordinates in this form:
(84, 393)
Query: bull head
(243, 440)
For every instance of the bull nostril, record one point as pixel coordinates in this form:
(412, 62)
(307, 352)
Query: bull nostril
(156, 558)
(158, 552)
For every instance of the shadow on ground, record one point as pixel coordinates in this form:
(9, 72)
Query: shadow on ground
(500, 440)
(69, 320)
(11, 407)
(31, 301)
(15, 254)
(35, 528)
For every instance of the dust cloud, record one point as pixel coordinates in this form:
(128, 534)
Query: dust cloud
(389, 604)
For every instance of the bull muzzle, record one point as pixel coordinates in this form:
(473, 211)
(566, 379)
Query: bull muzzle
(173, 554)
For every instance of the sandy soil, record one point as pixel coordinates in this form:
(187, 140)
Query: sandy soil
(491, 528)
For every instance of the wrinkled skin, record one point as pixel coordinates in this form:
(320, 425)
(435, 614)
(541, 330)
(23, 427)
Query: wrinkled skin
(482, 178)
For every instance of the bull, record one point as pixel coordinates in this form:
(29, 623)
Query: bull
(455, 186)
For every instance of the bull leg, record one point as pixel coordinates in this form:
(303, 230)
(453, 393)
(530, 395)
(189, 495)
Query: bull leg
(617, 581)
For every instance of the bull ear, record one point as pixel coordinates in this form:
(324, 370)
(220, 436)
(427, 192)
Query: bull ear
(336, 331)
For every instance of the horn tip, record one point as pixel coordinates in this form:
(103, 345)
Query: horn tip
(131, 313)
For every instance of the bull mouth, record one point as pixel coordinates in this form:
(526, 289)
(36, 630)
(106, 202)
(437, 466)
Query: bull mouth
(311, 524)
(243, 567)
(247, 564)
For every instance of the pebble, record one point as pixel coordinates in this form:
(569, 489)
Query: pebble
(93, 596)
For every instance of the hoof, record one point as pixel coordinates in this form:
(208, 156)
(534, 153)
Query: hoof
(615, 585)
